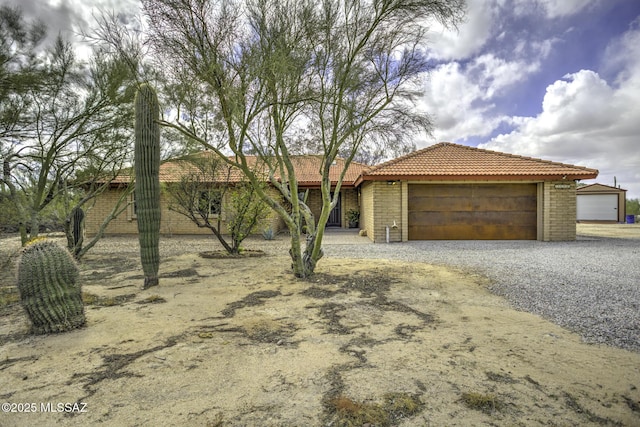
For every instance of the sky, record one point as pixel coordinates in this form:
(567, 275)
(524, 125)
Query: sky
(551, 79)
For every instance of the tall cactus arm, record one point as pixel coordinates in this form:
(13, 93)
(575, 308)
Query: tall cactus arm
(147, 186)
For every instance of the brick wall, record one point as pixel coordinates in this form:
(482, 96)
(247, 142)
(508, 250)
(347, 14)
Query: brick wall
(103, 205)
(349, 201)
(382, 205)
(314, 201)
(171, 222)
(388, 201)
(366, 209)
(559, 211)
(405, 211)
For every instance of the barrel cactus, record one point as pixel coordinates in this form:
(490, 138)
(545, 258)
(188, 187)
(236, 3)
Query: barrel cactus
(49, 289)
(147, 189)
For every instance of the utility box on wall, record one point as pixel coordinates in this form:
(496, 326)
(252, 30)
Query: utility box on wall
(598, 202)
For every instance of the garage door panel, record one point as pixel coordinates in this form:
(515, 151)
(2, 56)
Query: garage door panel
(472, 211)
(505, 232)
(469, 190)
(514, 190)
(445, 204)
(441, 218)
(473, 218)
(442, 190)
(504, 218)
(464, 231)
(506, 204)
(442, 232)
(440, 204)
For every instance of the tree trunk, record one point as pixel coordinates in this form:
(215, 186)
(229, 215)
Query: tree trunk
(24, 237)
(216, 232)
(35, 227)
(312, 254)
(304, 262)
(296, 253)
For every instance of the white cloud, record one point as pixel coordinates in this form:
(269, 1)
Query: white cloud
(497, 74)
(574, 111)
(588, 121)
(69, 17)
(471, 36)
(559, 8)
(623, 54)
(453, 101)
(550, 8)
(59, 16)
(461, 99)
(543, 48)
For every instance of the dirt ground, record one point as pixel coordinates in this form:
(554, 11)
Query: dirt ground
(620, 231)
(240, 342)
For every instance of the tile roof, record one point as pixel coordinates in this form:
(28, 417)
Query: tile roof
(307, 170)
(447, 161)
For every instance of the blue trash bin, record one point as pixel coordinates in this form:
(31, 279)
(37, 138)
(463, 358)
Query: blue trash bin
(631, 219)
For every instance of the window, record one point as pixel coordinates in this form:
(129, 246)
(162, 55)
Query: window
(209, 203)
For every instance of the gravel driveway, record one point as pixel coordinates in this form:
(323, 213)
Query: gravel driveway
(590, 286)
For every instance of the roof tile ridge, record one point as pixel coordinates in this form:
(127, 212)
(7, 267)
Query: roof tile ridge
(535, 159)
(408, 155)
(354, 162)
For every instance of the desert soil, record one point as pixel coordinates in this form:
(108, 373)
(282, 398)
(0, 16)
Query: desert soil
(618, 231)
(241, 342)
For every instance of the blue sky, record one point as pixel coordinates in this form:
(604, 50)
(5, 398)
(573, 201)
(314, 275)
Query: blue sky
(553, 79)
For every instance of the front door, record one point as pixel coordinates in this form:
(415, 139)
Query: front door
(335, 216)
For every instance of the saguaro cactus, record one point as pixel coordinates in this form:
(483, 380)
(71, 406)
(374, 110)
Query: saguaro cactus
(49, 292)
(75, 230)
(147, 189)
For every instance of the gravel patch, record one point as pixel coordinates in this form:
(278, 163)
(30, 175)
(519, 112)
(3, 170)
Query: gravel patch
(590, 286)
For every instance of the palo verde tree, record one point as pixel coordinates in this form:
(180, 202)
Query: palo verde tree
(75, 121)
(105, 149)
(20, 70)
(338, 72)
(213, 194)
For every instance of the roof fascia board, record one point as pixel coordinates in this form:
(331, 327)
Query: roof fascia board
(531, 177)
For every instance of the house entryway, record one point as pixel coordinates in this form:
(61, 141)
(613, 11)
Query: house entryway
(335, 216)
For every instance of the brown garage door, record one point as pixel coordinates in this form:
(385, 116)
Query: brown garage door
(472, 212)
